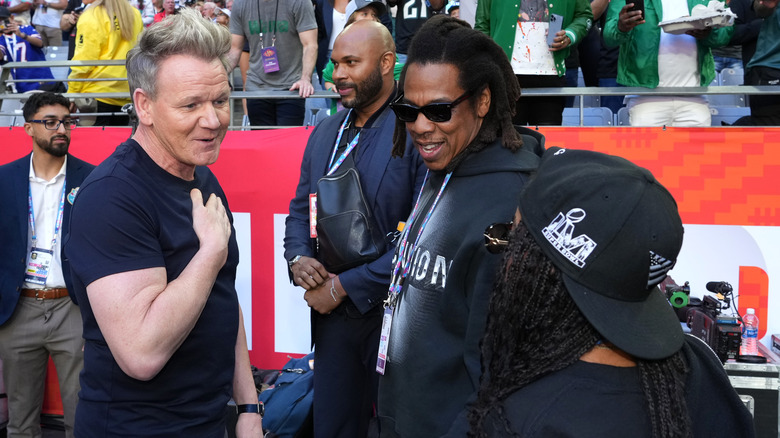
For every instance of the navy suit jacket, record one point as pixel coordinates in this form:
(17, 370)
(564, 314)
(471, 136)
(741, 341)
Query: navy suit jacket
(390, 186)
(14, 227)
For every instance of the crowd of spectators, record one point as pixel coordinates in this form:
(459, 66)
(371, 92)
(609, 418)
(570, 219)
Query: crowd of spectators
(598, 43)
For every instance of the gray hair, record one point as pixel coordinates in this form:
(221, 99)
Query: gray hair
(186, 33)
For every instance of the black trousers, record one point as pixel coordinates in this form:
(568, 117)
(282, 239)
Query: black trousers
(546, 110)
(764, 109)
(346, 344)
(103, 107)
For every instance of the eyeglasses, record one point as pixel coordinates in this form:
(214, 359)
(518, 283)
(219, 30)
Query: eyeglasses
(54, 124)
(497, 237)
(435, 112)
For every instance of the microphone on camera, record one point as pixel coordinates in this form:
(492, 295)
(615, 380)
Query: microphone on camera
(719, 287)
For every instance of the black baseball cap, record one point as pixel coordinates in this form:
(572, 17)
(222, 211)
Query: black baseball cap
(4, 12)
(614, 232)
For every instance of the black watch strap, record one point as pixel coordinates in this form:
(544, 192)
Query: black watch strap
(258, 408)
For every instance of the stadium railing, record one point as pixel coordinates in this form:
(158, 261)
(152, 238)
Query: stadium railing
(6, 80)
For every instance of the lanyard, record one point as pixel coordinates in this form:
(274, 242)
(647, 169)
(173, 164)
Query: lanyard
(57, 224)
(11, 43)
(403, 263)
(333, 166)
(276, 17)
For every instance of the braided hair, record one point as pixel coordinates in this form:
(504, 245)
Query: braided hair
(481, 63)
(534, 328)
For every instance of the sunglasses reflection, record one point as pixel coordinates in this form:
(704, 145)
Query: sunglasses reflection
(497, 236)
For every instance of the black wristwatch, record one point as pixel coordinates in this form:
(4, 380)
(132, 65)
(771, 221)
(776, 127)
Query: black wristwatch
(258, 408)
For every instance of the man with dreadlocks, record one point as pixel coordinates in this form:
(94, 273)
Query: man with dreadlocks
(580, 342)
(457, 103)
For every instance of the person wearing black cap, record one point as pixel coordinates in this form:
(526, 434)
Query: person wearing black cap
(580, 341)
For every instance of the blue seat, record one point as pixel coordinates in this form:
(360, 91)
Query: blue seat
(57, 53)
(600, 116)
(733, 77)
(314, 116)
(721, 99)
(587, 101)
(728, 114)
(11, 107)
(622, 117)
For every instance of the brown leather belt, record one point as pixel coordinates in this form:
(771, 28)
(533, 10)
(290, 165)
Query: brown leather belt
(45, 294)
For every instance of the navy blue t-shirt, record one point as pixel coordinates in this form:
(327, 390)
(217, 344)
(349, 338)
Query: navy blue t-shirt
(130, 214)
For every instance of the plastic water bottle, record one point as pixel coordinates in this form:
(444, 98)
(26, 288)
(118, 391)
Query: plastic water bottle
(750, 333)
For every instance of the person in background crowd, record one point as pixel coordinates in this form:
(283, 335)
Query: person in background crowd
(198, 6)
(746, 28)
(123, 24)
(333, 15)
(222, 16)
(347, 303)
(331, 18)
(151, 9)
(69, 23)
(457, 96)
(728, 56)
(19, 9)
(168, 9)
(38, 320)
(151, 260)
(20, 43)
(409, 16)
(467, 11)
(453, 8)
(521, 29)
(580, 341)
(46, 20)
(586, 56)
(608, 69)
(652, 58)
(764, 67)
(283, 52)
(208, 10)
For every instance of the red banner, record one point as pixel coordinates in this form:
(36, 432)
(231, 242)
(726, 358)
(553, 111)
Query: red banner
(719, 176)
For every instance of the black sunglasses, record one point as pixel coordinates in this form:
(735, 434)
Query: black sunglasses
(497, 237)
(435, 112)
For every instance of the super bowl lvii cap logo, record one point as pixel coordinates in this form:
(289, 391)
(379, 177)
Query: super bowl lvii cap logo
(560, 233)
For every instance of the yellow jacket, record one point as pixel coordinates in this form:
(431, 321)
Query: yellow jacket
(97, 38)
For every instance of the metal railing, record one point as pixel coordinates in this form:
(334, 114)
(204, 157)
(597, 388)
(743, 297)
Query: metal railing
(236, 95)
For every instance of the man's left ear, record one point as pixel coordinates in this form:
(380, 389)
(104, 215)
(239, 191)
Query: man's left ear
(483, 103)
(388, 62)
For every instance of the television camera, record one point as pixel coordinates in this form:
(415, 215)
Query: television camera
(706, 319)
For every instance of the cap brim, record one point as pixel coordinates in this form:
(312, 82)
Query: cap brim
(648, 329)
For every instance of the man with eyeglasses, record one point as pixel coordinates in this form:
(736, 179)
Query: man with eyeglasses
(38, 320)
(346, 301)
